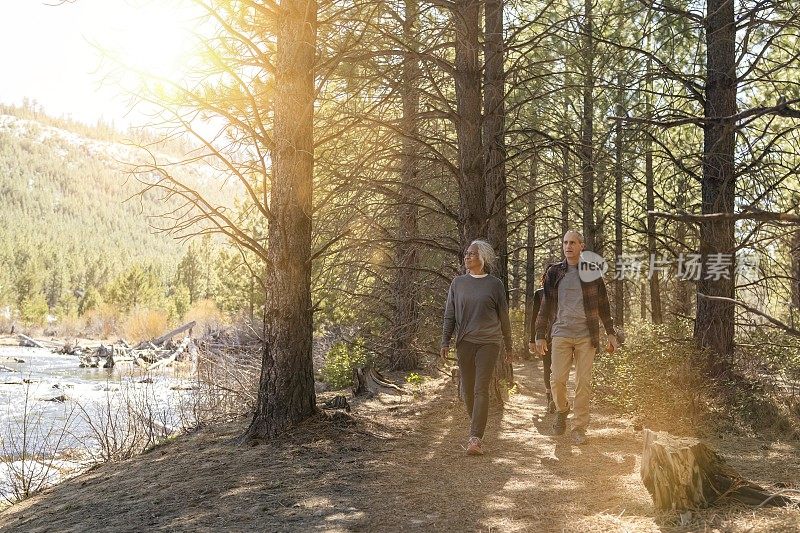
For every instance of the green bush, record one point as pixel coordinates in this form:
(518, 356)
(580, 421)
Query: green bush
(34, 309)
(656, 377)
(340, 361)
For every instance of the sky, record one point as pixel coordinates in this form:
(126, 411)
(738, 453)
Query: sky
(51, 53)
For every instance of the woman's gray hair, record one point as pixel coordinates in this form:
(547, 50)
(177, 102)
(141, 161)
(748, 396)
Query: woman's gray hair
(486, 254)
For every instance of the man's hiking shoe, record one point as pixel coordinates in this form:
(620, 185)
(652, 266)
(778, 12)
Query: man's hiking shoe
(474, 447)
(560, 423)
(551, 405)
(578, 436)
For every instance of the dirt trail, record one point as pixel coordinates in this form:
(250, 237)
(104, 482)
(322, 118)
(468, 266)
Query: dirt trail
(399, 467)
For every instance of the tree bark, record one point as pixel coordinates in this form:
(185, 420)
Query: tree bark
(516, 281)
(683, 299)
(472, 194)
(655, 288)
(495, 159)
(286, 387)
(494, 135)
(619, 284)
(403, 356)
(795, 254)
(586, 149)
(531, 283)
(714, 324)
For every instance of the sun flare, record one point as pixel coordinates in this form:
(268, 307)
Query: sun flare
(153, 38)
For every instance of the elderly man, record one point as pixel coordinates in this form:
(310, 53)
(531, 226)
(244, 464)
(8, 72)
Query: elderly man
(571, 311)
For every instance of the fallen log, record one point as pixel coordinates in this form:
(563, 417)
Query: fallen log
(174, 355)
(683, 473)
(167, 336)
(367, 380)
(28, 342)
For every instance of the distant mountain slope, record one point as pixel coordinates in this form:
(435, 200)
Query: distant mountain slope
(66, 202)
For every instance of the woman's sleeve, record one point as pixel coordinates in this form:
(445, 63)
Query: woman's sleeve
(502, 312)
(449, 321)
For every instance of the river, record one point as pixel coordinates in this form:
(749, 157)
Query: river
(52, 408)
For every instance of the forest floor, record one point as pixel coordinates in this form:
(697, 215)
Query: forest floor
(398, 464)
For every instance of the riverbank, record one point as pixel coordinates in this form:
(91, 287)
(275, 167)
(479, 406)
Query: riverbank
(55, 342)
(57, 419)
(398, 464)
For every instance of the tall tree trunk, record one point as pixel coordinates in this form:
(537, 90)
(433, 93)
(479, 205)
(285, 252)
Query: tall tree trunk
(473, 214)
(403, 356)
(714, 329)
(565, 190)
(516, 282)
(795, 253)
(683, 298)
(587, 129)
(643, 300)
(655, 290)
(494, 135)
(619, 283)
(531, 282)
(286, 387)
(566, 177)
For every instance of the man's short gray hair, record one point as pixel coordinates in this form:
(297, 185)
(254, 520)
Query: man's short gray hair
(486, 254)
(578, 233)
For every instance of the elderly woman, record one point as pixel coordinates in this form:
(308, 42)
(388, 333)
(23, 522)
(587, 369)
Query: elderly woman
(477, 313)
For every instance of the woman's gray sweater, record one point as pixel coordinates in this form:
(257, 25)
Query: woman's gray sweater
(477, 312)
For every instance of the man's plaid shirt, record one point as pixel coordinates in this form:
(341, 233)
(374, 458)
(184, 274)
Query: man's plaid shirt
(595, 304)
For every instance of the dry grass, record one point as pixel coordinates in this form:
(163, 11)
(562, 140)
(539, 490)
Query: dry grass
(102, 321)
(398, 464)
(207, 315)
(142, 324)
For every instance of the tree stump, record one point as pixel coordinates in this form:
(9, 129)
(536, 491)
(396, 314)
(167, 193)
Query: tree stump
(684, 473)
(367, 380)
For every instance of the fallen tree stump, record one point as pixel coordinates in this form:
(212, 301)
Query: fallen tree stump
(684, 473)
(367, 380)
(337, 402)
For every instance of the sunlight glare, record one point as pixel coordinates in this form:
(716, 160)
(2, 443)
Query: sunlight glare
(154, 38)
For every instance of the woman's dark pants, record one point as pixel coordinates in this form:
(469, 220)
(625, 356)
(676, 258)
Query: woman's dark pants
(476, 365)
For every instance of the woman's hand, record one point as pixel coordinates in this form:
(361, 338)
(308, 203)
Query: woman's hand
(443, 353)
(532, 348)
(509, 356)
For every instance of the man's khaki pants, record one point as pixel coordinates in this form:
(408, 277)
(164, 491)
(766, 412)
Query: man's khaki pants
(565, 349)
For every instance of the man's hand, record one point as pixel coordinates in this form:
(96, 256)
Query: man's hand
(613, 344)
(509, 356)
(445, 350)
(532, 348)
(541, 347)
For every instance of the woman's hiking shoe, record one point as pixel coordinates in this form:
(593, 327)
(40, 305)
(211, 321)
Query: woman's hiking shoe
(560, 423)
(578, 436)
(474, 447)
(551, 405)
